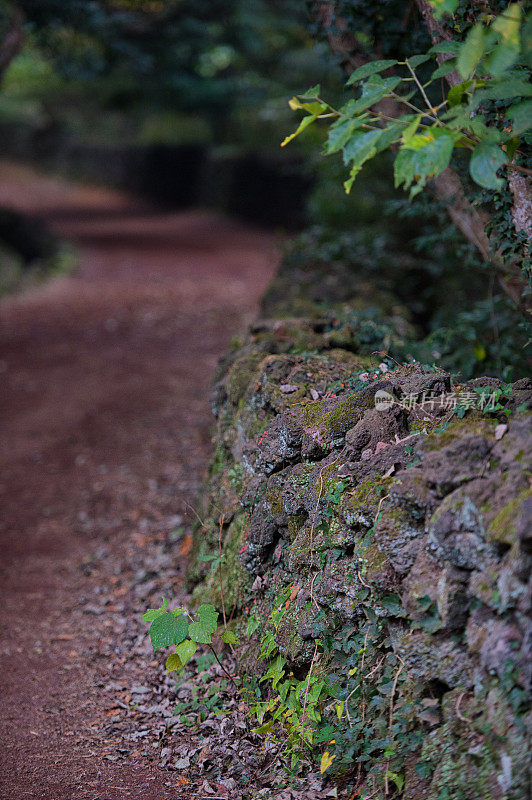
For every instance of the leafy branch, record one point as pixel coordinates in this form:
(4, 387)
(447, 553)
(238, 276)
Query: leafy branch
(493, 66)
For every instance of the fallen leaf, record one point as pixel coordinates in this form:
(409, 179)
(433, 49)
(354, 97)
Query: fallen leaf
(326, 761)
(500, 430)
(381, 446)
(288, 388)
(294, 592)
(186, 545)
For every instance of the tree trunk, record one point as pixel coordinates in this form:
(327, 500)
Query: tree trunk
(12, 42)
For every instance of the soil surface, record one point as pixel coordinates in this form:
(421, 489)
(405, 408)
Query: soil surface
(105, 427)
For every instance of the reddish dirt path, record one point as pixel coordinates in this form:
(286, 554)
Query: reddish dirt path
(104, 433)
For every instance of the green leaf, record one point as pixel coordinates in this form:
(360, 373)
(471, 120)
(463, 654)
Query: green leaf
(392, 133)
(450, 46)
(442, 7)
(173, 662)
(228, 637)
(411, 129)
(371, 68)
(153, 613)
(266, 728)
(503, 90)
(275, 671)
(205, 625)
(305, 122)
(340, 132)
(425, 156)
(526, 40)
(456, 93)
(508, 24)
(444, 69)
(186, 650)
(208, 616)
(197, 632)
(373, 91)
(485, 161)
(311, 94)
(521, 116)
(312, 108)
(418, 59)
(502, 58)
(471, 50)
(167, 630)
(357, 151)
(397, 778)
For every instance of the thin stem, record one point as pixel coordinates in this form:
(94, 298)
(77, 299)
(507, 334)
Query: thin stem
(524, 170)
(420, 87)
(221, 521)
(211, 648)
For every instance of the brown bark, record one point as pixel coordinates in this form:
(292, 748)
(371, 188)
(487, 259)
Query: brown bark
(520, 186)
(12, 42)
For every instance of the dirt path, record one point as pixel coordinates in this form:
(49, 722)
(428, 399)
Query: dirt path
(104, 436)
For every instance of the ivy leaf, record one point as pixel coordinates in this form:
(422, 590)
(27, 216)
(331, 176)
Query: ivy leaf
(485, 161)
(275, 671)
(521, 116)
(166, 630)
(472, 50)
(371, 68)
(357, 151)
(305, 122)
(153, 613)
(425, 156)
(442, 7)
(397, 778)
(424, 769)
(228, 637)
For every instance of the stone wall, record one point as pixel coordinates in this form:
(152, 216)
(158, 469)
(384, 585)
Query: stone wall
(396, 532)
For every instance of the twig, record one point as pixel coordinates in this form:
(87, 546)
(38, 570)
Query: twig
(390, 721)
(422, 90)
(308, 682)
(211, 648)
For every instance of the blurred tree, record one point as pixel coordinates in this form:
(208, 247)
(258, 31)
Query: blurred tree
(203, 56)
